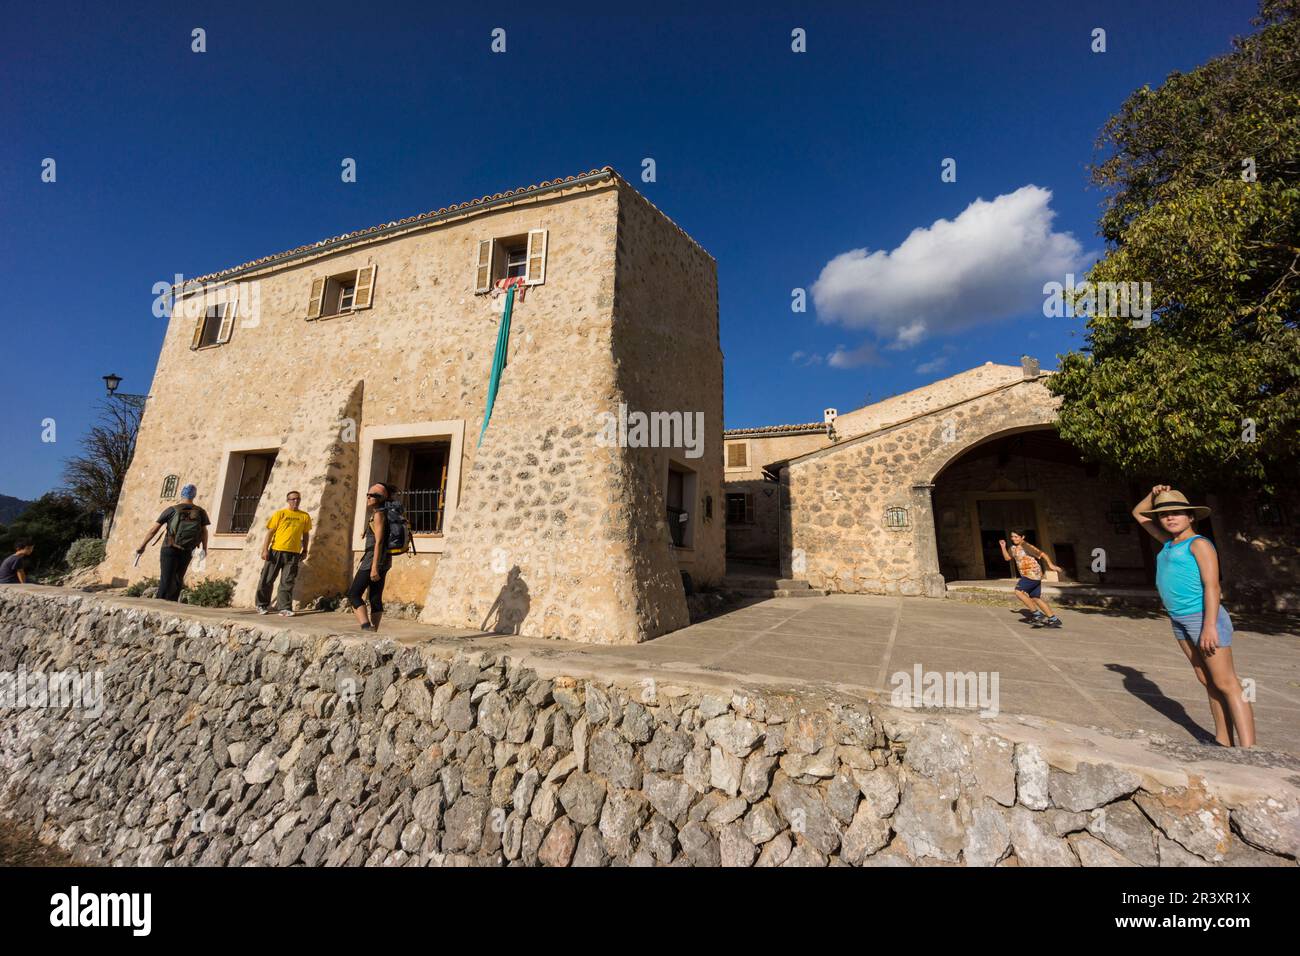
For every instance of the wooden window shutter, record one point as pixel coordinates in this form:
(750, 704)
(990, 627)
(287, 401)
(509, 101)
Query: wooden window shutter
(483, 266)
(198, 328)
(536, 270)
(749, 509)
(229, 310)
(365, 288)
(737, 455)
(317, 297)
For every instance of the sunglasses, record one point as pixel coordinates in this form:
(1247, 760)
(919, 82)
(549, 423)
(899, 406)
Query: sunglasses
(372, 494)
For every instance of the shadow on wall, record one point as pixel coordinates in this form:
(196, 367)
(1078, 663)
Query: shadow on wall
(511, 605)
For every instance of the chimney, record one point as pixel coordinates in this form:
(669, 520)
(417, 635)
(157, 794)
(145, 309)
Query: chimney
(1029, 366)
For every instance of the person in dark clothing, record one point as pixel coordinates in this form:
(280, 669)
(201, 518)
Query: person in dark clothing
(13, 570)
(374, 563)
(187, 528)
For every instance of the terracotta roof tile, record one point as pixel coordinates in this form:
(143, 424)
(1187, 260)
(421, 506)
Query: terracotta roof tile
(768, 429)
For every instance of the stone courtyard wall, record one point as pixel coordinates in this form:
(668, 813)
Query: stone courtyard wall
(226, 743)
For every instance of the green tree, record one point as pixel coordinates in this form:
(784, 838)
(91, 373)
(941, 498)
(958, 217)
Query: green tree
(52, 523)
(1210, 390)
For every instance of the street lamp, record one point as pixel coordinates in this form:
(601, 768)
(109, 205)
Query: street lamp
(113, 381)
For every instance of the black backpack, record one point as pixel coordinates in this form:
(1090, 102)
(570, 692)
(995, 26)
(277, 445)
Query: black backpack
(399, 531)
(185, 529)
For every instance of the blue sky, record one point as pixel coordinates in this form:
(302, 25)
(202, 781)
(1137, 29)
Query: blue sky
(777, 163)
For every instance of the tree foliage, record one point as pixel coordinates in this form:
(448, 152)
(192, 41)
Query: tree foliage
(95, 476)
(1219, 365)
(52, 523)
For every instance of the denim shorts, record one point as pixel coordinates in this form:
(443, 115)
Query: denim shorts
(1030, 586)
(1188, 627)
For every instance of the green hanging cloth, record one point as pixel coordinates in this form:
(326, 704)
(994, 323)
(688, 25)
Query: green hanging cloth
(498, 360)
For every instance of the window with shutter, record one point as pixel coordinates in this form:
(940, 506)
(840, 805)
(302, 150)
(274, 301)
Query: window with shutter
(363, 292)
(738, 455)
(227, 321)
(740, 508)
(536, 257)
(197, 339)
(317, 297)
(483, 266)
(211, 322)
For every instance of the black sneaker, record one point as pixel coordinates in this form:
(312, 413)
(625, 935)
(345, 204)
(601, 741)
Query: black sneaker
(1052, 621)
(1037, 618)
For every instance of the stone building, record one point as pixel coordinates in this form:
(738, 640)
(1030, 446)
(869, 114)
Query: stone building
(367, 357)
(911, 493)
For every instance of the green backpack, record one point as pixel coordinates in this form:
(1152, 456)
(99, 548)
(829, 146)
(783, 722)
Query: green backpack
(185, 529)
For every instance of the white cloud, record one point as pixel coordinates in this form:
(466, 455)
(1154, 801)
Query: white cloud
(987, 264)
(864, 354)
(806, 358)
(939, 361)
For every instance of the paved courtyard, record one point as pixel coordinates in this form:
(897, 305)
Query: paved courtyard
(1107, 668)
(1117, 669)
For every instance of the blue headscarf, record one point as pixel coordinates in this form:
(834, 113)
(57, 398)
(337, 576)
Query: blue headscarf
(189, 491)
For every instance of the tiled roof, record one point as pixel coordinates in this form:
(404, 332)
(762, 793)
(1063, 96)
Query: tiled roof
(771, 429)
(323, 244)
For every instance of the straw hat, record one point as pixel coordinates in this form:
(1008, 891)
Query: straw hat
(1174, 501)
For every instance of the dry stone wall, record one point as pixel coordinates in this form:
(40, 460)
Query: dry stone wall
(224, 743)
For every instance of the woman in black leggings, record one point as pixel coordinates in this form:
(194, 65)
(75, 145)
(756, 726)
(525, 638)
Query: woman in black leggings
(374, 563)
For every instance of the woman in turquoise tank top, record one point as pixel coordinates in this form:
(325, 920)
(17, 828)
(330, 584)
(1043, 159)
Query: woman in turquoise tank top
(1187, 576)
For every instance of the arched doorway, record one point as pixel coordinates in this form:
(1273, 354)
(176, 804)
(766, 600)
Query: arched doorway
(1031, 480)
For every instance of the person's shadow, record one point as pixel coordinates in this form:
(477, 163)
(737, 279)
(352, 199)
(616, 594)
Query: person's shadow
(1149, 692)
(511, 605)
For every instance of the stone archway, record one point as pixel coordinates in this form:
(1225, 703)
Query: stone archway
(860, 513)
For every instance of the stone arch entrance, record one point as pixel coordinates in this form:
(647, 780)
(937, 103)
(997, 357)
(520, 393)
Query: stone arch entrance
(1031, 480)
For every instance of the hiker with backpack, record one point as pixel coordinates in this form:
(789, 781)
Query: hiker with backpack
(387, 534)
(187, 529)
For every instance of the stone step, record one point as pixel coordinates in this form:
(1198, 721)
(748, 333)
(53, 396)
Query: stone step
(764, 583)
(802, 592)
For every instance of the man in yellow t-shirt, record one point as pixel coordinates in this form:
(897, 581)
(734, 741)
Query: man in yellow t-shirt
(285, 547)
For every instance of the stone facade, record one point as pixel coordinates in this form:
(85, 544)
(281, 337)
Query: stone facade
(226, 744)
(860, 512)
(546, 531)
(756, 538)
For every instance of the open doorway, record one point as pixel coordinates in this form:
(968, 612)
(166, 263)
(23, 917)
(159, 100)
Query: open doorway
(997, 518)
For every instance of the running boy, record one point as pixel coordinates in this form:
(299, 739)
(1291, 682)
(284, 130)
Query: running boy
(1030, 586)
